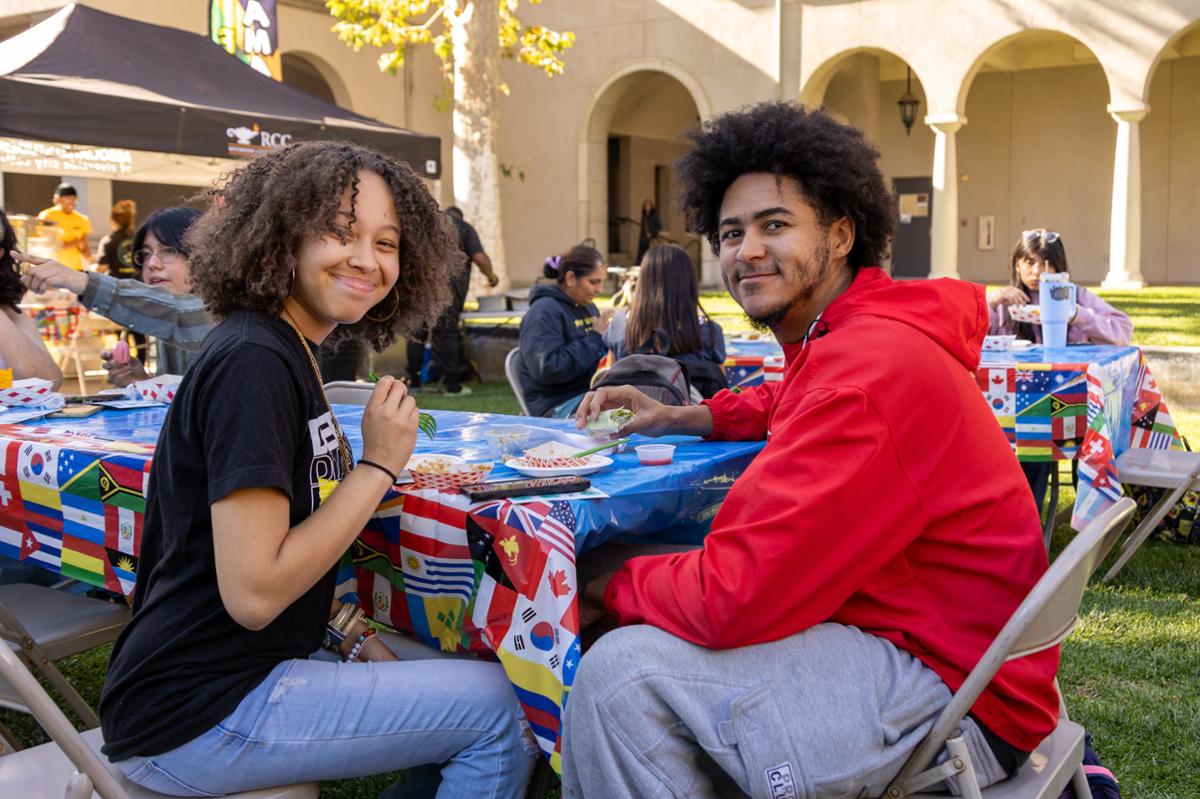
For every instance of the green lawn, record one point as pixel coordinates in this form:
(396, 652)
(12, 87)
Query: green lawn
(1129, 672)
(1162, 316)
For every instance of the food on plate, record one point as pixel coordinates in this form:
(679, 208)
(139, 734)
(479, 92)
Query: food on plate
(507, 440)
(553, 455)
(609, 422)
(446, 471)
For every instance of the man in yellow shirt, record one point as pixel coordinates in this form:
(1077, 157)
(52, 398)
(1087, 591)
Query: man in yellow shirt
(73, 226)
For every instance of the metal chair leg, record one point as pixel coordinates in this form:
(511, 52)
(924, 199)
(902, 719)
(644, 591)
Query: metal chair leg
(1052, 508)
(1156, 515)
(1079, 782)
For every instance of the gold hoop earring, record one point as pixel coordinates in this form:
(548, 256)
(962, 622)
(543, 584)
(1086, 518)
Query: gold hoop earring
(392, 315)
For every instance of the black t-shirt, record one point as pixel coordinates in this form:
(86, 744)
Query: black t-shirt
(249, 413)
(116, 252)
(468, 241)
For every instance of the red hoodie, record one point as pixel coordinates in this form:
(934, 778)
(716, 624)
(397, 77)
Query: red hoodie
(886, 498)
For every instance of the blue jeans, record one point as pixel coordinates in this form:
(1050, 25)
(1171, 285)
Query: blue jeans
(313, 720)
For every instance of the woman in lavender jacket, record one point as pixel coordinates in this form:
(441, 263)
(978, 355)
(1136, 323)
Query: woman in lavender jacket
(1038, 251)
(1094, 322)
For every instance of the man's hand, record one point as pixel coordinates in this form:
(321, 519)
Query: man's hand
(46, 274)
(591, 601)
(493, 280)
(651, 418)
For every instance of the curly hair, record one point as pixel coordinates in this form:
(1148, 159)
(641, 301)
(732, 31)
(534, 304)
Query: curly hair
(11, 289)
(834, 165)
(245, 248)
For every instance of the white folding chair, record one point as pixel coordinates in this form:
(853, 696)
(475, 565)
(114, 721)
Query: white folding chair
(44, 625)
(349, 392)
(1045, 617)
(513, 373)
(1172, 469)
(71, 765)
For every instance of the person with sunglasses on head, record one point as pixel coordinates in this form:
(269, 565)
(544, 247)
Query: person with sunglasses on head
(1095, 321)
(1036, 252)
(162, 306)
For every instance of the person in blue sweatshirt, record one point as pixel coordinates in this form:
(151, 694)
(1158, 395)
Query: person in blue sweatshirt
(562, 333)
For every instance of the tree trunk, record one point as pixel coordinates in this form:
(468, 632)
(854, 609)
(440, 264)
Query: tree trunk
(475, 28)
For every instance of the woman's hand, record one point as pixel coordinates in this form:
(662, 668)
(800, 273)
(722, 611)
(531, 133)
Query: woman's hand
(46, 274)
(600, 323)
(389, 425)
(122, 374)
(1007, 295)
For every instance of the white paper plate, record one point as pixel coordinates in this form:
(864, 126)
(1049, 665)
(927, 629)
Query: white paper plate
(595, 463)
(1031, 314)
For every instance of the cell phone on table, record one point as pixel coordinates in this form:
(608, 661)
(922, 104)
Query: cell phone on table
(526, 488)
(74, 412)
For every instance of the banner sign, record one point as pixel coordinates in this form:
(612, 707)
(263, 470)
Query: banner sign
(248, 30)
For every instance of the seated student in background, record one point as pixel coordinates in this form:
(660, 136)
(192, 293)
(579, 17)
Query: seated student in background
(861, 564)
(162, 306)
(666, 307)
(254, 497)
(1095, 321)
(21, 347)
(1038, 251)
(561, 333)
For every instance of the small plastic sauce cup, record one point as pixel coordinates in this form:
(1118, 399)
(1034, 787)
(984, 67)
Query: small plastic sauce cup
(655, 454)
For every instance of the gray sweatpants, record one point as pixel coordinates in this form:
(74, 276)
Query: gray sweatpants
(829, 712)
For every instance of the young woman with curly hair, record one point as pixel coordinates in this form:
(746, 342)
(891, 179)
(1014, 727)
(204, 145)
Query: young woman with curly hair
(254, 497)
(21, 347)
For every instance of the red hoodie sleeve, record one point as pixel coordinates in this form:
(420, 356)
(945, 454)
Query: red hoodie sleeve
(796, 536)
(741, 416)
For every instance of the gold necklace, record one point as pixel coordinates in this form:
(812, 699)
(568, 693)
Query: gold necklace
(343, 444)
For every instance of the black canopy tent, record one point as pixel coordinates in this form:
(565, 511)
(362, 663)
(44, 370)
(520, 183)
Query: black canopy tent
(86, 77)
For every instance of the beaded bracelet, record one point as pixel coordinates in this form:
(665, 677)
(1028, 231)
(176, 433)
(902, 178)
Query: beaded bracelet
(358, 645)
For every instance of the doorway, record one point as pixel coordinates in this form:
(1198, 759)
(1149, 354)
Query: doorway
(911, 244)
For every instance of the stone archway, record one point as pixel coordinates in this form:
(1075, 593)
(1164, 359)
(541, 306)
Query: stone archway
(314, 76)
(1037, 153)
(628, 139)
(862, 87)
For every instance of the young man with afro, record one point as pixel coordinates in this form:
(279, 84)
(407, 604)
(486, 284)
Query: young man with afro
(864, 561)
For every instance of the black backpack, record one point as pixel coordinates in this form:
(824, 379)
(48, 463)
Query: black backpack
(657, 376)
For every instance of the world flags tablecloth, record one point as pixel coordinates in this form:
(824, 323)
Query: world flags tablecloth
(494, 578)
(73, 503)
(1089, 403)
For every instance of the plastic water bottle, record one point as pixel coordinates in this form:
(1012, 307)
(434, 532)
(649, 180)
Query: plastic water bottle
(1056, 296)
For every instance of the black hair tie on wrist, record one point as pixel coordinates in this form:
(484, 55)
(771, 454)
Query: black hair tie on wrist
(380, 467)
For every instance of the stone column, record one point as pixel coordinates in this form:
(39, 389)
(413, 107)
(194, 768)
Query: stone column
(943, 250)
(1125, 233)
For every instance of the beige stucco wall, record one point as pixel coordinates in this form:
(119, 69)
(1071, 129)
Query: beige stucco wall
(640, 67)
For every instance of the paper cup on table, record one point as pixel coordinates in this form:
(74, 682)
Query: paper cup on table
(31, 392)
(157, 389)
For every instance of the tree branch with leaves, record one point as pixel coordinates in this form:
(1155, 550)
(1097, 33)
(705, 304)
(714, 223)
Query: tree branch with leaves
(469, 37)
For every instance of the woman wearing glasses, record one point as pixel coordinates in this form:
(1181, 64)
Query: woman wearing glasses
(162, 306)
(1038, 251)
